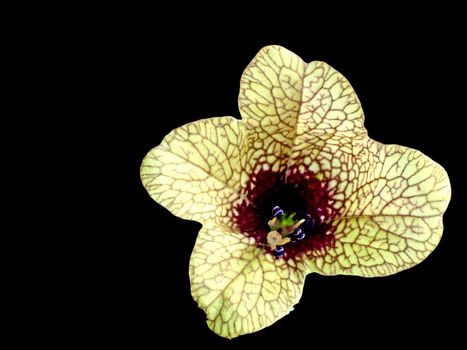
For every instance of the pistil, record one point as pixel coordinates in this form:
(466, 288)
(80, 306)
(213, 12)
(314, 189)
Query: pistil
(283, 230)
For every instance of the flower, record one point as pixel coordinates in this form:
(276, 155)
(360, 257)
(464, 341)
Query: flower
(296, 187)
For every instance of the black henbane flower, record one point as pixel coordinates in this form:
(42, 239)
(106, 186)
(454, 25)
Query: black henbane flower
(296, 187)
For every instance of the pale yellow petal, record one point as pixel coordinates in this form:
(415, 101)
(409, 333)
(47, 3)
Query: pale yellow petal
(391, 201)
(331, 117)
(241, 289)
(329, 104)
(195, 171)
(388, 196)
(269, 102)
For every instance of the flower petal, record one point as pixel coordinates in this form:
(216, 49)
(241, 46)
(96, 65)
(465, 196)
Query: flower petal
(391, 199)
(331, 116)
(283, 100)
(241, 288)
(269, 102)
(329, 104)
(195, 171)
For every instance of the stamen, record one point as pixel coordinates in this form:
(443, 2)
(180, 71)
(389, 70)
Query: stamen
(284, 230)
(277, 212)
(289, 229)
(298, 235)
(274, 224)
(278, 252)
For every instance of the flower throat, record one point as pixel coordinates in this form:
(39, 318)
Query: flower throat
(290, 218)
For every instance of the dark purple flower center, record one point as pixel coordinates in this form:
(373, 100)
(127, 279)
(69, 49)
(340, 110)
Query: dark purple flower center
(271, 195)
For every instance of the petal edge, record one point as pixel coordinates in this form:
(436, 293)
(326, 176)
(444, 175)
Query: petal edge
(241, 289)
(195, 171)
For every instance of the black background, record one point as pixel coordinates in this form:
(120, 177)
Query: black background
(149, 77)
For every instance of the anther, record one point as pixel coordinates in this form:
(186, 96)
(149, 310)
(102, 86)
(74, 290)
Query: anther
(278, 252)
(298, 235)
(277, 211)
